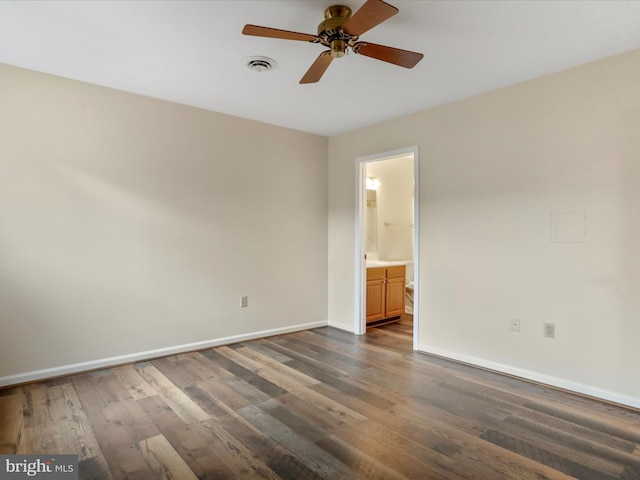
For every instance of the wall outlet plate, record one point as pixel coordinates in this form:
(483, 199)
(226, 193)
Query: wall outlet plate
(550, 330)
(515, 324)
(244, 301)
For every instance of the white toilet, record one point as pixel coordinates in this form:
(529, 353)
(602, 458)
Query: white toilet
(408, 291)
(408, 299)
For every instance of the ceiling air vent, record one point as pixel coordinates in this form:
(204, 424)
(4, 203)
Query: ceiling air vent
(261, 64)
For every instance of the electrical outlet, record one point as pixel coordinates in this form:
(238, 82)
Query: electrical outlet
(550, 330)
(244, 301)
(515, 324)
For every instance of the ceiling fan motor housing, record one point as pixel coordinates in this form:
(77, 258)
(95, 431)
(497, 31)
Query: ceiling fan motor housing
(330, 30)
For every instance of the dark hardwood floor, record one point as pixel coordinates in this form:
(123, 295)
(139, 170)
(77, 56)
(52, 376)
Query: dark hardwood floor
(319, 404)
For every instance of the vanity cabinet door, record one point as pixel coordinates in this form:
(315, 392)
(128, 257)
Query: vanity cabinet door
(395, 291)
(376, 294)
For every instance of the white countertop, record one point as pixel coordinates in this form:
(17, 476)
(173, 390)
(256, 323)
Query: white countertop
(387, 263)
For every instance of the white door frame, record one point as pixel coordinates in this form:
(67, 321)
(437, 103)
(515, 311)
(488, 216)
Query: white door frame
(361, 237)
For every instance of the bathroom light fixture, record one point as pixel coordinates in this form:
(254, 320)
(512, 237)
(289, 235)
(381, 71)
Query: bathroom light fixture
(372, 183)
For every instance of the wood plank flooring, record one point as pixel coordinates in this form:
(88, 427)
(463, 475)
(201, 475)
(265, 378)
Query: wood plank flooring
(319, 404)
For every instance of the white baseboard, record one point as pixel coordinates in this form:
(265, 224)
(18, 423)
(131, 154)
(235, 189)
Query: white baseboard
(534, 376)
(149, 354)
(342, 326)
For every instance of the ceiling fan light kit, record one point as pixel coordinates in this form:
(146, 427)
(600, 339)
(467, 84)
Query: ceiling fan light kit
(340, 32)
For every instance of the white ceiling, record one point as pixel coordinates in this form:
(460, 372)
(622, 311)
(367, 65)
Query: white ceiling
(193, 52)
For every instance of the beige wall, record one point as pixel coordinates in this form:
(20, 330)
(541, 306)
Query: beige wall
(493, 170)
(131, 225)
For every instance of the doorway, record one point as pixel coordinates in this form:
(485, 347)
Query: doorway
(364, 240)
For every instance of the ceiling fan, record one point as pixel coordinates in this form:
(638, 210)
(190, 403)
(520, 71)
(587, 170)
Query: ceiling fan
(340, 32)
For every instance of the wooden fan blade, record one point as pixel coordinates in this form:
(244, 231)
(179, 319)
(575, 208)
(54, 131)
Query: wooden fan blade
(257, 31)
(372, 13)
(318, 68)
(403, 58)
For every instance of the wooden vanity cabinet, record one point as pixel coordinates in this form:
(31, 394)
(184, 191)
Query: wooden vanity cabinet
(385, 292)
